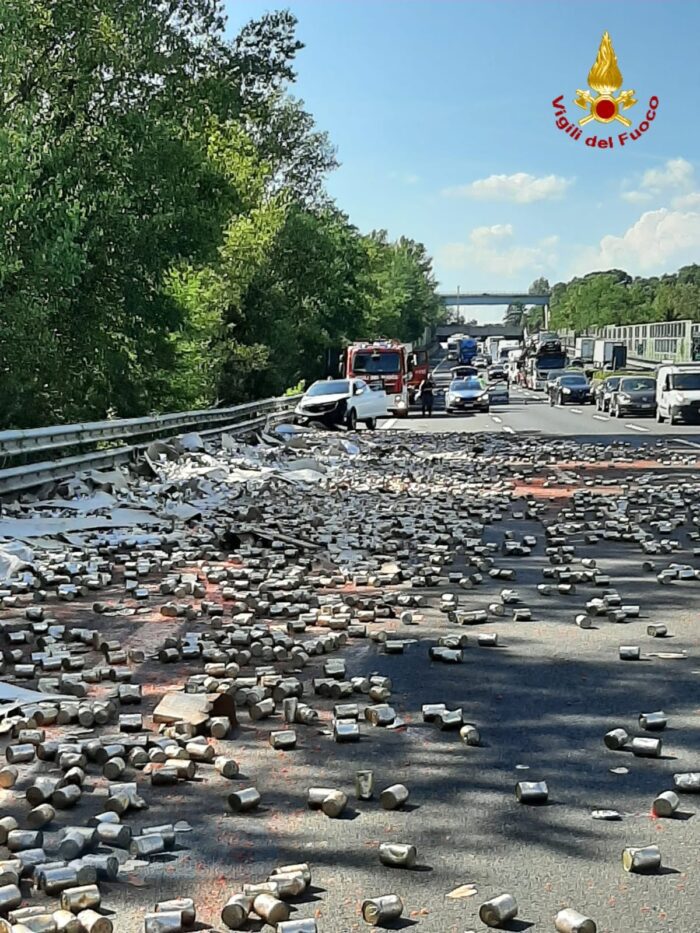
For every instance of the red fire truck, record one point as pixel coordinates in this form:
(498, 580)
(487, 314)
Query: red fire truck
(384, 361)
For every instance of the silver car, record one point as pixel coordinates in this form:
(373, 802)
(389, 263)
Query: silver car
(498, 393)
(468, 394)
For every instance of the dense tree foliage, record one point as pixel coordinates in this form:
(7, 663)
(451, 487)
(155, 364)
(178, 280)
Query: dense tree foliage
(529, 317)
(167, 240)
(614, 297)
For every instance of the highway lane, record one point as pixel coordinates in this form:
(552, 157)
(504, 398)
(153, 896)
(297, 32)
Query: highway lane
(529, 412)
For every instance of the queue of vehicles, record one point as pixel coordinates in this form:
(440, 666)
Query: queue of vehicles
(382, 378)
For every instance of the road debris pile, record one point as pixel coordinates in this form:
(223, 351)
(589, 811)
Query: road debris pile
(243, 666)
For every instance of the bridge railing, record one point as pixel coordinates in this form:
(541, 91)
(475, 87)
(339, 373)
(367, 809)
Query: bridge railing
(93, 445)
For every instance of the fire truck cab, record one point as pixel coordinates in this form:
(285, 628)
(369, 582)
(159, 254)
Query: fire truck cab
(382, 363)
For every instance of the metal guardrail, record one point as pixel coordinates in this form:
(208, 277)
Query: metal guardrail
(67, 437)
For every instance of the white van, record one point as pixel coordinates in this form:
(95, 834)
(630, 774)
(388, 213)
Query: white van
(677, 391)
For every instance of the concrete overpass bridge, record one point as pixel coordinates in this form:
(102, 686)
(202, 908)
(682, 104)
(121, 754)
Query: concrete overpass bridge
(457, 299)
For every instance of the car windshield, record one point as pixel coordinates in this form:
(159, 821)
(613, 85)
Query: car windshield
(637, 385)
(574, 380)
(371, 361)
(331, 387)
(689, 381)
(555, 362)
(462, 384)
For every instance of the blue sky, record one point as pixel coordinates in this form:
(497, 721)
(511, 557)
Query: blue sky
(441, 112)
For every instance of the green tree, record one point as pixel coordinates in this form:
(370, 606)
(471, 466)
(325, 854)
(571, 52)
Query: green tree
(109, 184)
(539, 287)
(515, 314)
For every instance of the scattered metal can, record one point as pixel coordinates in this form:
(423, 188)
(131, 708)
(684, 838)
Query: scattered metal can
(84, 897)
(393, 797)
(270, 909)
(66, 922)
(297, 926)
(487, 641)
(571, 921)
(469, 734)
(285, 739)
(242, 801)
(165, 921)
(657, 630)
(381, 910)
(146, 845)
(226, 767)
(10, 897)
(8, 824)
(334, 803)
(431, 711)
(19, 839)
(653, 722)
(531, 792)
(235, 911)
(364, 785)
(665, 804)
(397, 855)
(616, 739)
(449, 719)
(346, 730)
(629, 652)
(498, 910)
(642, 859)
(8, 776)
(685, 782)
(644, 747)
(92, 922)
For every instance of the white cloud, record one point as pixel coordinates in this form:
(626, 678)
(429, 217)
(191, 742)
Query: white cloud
(484, 235)
(676, 174)
(635, 197)
(408, 178)
(491, 250)
(687, 201)
(658, 241)
(519, 188)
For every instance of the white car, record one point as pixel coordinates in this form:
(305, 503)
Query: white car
(343, 401)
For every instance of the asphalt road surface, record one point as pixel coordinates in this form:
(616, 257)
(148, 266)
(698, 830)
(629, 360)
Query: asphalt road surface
(542, 699)
(529, 413)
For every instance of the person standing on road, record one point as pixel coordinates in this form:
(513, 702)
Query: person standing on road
(427, 395)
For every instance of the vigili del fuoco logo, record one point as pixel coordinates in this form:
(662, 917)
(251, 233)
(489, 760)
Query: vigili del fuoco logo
(603, 106)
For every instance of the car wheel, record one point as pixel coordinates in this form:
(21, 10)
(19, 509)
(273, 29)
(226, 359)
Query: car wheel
(659, 417)
(371, 423)
(351, 420)
(672, 419)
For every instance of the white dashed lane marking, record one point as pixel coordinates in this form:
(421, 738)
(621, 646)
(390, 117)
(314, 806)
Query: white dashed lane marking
(637, 427)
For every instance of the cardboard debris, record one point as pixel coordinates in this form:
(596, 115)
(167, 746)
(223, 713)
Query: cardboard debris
(194, 708)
